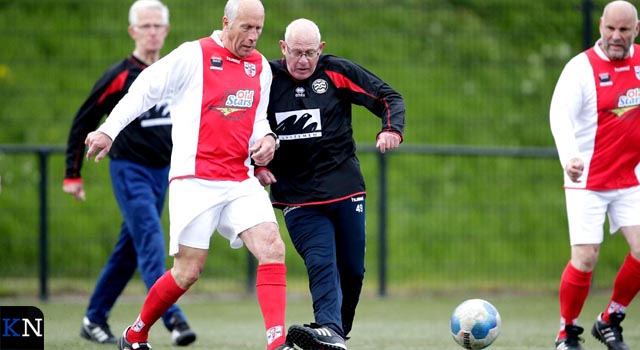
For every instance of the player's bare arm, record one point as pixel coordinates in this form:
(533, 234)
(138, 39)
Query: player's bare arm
(99, 142)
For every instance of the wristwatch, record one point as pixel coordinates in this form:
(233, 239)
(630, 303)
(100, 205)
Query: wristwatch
(275, 137)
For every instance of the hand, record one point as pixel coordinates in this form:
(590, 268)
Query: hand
(97, 141)
(387, 140)
(574, 169)
(265, 176)
(75, 188)
(262, 151)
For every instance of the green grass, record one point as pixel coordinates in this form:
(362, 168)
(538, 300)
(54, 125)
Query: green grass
(529, 322)
(454, 222)
(472, 72)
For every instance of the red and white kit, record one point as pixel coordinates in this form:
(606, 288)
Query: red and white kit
(227, 113)
(595, 116)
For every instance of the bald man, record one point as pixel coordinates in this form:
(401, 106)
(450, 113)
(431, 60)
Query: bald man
(595, 121)
(219, 90)
(315, 176)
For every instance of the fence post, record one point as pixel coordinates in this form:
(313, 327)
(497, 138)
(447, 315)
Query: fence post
(43, 156)
(587, 11)
(251, 273)
(382, 225)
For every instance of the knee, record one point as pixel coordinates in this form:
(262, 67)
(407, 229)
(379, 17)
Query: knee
(275, 248)
(322, 265)
(186, 277)
(634, 243)
(272, 250)
(585, 257)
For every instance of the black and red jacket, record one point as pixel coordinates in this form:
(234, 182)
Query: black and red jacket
(316, 162)
(146, 140)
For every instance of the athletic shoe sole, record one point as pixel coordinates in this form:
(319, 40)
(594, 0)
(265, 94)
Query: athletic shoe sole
(306, 339)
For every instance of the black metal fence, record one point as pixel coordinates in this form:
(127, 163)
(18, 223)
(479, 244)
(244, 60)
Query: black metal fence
(447, 210)
(43, 153)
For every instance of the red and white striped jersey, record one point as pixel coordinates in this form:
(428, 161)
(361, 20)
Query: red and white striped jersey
(595, 116)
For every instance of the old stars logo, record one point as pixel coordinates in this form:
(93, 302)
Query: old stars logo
(234, 105)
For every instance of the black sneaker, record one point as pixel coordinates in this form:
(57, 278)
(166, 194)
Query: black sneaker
(181, 333)
(123, 343)
(285, 346)
(572, 340)
(610, 334)
(96, 332)
(316, 337)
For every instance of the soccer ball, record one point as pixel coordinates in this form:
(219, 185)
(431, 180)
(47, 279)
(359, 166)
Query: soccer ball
(475, 324)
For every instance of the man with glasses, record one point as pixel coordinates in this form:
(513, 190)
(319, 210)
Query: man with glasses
(139, 169)
(315, 176)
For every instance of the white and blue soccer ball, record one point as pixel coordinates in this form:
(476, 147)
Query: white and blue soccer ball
(475, 324)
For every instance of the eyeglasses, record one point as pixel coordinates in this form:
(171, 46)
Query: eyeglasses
(148, 27)
(309, 54)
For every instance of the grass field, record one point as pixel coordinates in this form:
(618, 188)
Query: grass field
(472, 72)
(528, 321)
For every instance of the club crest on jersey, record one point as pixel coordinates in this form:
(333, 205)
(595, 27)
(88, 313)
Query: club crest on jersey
(250, 69)
(637, 70)
(605, 79)
(320, 86)
(216, 63)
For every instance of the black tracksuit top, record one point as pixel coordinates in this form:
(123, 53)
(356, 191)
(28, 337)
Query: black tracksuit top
(316, 162)
(146, 140)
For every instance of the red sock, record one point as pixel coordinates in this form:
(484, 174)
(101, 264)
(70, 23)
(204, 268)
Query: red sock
(164, 293)
(271, 289)
(625, 287)
(574, 288)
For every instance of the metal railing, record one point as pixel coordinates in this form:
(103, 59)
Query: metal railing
(43, 152)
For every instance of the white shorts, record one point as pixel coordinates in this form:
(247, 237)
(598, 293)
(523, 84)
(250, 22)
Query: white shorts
(197, 208)
(586, 212)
